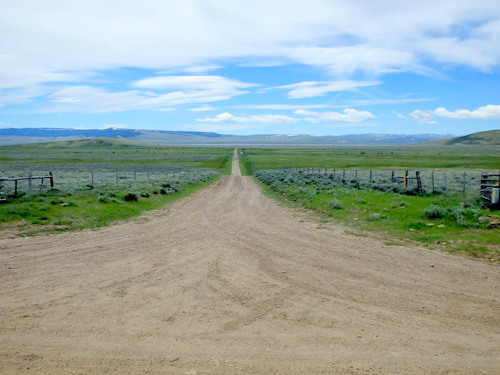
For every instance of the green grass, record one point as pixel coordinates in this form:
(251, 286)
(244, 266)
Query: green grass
(360, 157)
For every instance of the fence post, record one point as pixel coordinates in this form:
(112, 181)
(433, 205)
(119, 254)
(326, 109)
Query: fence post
(432, 179)
(343, 174)
(135, 176)
(464, 184)
(419, 182)
(371, 177)
(92, 178)
(51, 178)
(405, 179)
(30, 183)
(445, 184)
(392, 176)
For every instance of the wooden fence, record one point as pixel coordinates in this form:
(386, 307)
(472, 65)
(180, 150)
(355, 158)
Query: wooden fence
(30, 178)
(488, 183)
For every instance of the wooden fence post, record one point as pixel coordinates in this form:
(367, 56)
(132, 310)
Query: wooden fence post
(405, 179)
(30, 183)
(371, 177)
(464, 184)
(432, 179)
(445, 184)
(51, 178)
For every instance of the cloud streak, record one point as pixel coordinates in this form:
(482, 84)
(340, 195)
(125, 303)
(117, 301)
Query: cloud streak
(348, 115)
(313, 89)
(227, 117)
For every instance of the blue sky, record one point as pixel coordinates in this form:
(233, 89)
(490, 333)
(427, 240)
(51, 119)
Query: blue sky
(238, 67)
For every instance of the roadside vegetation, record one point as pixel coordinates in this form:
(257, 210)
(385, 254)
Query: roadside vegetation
(98, 182)
(445, 219)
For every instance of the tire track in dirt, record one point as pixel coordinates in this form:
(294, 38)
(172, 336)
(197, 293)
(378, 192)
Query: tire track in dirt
(228, 282)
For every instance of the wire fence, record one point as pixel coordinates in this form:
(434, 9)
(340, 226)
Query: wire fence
(431, 180)
(68, 179)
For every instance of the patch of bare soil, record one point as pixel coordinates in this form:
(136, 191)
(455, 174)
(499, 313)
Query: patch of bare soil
(228, 282)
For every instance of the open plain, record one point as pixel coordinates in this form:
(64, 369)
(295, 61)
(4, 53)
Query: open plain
(226, 281)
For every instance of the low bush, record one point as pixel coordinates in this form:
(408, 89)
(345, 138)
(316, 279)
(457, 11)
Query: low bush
(131, 197)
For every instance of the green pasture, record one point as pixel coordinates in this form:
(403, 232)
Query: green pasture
(404, 157)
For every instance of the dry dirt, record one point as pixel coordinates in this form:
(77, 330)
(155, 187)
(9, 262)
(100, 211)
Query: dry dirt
(227, 281)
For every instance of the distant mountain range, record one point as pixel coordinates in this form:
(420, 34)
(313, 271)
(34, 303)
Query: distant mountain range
(163, 137)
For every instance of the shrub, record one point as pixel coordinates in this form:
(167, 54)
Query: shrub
(335, 204)
(131, 197)
(435, 212)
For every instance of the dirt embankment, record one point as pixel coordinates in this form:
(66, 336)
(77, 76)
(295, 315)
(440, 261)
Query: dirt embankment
(228, 282)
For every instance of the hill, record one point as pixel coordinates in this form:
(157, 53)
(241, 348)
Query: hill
(486, 138)
(91, 143)
(164, 137)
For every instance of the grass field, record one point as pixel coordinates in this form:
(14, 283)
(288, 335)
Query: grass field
(100, 181)
(412, 157)
(449, 220)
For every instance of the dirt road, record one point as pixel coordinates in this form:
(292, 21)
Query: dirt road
(228, 282)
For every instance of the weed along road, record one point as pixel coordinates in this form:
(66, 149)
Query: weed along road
(227, 281)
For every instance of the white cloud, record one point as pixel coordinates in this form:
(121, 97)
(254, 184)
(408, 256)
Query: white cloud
(204, 108)
(348, 115)
(188, 90)
(48, 42)
(255, 119)
(282, 106)
(201, 82)
(488, 112)
(313, 89)
(423, 117)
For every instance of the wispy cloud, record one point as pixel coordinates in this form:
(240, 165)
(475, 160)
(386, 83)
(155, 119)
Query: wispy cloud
(290, 107)
(488, 112)
(154, 93)
(313, 89)
(255, 119)
(348, 115)
(204, 108)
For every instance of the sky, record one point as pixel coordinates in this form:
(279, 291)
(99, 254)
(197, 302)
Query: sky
(320, 67)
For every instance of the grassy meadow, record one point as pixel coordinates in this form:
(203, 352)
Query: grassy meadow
(100, 181)
(451, 219)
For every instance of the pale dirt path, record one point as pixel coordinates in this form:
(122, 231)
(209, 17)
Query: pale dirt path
(228, 282)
